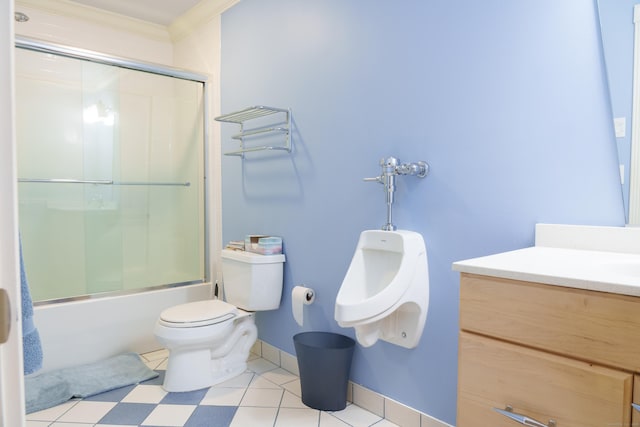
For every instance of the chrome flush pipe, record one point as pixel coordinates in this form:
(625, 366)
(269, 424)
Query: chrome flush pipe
(391, 167)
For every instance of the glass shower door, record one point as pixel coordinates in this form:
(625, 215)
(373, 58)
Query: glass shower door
(111, 172)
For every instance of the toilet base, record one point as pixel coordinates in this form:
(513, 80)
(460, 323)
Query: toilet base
(197, 368)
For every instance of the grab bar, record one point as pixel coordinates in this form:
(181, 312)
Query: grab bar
(100, 182)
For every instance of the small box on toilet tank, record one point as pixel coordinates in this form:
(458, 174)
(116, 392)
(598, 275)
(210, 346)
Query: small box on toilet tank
(252, 281)
(265, 245)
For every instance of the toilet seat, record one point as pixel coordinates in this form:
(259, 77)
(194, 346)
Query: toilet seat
(195, 314)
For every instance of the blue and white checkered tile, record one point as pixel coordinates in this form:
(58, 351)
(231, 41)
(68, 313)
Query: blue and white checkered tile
(265, 395)
(147, 404)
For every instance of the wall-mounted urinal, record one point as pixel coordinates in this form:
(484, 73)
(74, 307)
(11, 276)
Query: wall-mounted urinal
(385, 293)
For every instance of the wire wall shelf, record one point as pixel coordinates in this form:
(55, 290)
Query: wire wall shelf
(242, 117)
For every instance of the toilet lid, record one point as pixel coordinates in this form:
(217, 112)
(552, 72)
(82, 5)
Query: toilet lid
(200, 313)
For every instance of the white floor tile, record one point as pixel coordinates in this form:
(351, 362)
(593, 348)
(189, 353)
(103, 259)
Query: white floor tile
(156, 355)
(385, 423)
(254, 417)
(357, 416)
(156, 359)
(241, 381)
(223, 396)
(293, 387)
(52, 414)
(262, 397)
(297, 417)
(114, 425)
(145, 394)
(37, 423)
(290, 400)
(153, 364)
(260, 381)
(328, 420)
(260, 365)
(72, 425)
(86, 412)
(169, 415)
(279, 376)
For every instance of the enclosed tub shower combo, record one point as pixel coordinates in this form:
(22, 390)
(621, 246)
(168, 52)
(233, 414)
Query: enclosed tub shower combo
(111, 165)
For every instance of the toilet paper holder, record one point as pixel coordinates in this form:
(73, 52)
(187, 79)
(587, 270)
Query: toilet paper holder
(301, 296)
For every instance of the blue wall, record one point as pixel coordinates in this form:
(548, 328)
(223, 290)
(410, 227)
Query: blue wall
(506, 100)
(616, 19)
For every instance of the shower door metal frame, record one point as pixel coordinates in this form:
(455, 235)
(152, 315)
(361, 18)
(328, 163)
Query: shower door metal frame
(163, 70)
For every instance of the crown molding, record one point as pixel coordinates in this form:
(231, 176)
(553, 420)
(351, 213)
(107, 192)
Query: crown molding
(198, 15)
(99, 16)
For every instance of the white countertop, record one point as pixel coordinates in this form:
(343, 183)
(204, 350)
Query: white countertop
(602, 271)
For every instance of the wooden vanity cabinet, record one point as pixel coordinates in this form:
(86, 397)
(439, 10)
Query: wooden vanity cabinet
(557, 355)
(635, 417)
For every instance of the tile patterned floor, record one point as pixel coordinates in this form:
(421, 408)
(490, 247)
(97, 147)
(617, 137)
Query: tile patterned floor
(264, 395)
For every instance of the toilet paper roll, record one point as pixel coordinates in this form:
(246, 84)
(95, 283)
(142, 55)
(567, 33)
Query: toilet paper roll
(301, 296)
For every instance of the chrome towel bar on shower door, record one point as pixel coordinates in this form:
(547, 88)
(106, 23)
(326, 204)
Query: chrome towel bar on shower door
(101, 182)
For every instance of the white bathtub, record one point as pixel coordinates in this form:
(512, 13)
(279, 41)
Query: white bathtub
(86, 331)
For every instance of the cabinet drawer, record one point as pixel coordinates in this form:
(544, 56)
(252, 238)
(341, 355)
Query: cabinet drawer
(592, 326)
(539, 385)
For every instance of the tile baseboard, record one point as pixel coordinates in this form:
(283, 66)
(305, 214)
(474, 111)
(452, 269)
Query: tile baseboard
(376, 403)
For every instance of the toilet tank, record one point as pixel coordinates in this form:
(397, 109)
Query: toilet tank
(252, 281)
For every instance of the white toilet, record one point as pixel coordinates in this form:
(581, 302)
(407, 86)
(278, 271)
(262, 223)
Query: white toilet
(209, 341)
(385, 293)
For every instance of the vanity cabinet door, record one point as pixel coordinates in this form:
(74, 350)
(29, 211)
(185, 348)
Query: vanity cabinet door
(539, 385)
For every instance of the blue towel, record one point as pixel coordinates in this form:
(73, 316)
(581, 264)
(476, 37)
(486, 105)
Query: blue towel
(32, 348)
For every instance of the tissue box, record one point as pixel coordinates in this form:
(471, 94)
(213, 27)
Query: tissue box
(251, 241)
(265, 245)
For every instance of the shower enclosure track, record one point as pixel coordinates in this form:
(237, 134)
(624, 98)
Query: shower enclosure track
(101, 182)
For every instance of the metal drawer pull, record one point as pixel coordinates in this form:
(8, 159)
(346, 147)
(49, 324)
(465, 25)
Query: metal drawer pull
(636, 406)
(522, 419)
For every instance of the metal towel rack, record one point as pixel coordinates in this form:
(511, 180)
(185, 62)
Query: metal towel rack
(243, 116)
(101, 182)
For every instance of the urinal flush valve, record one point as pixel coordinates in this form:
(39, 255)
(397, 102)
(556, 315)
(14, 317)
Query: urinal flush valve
(391, 167)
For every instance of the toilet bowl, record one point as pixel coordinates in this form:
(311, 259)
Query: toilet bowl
(209, 341)
(195, 333)
(385, 293)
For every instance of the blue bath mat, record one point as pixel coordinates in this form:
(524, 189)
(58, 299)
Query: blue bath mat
(55, 387)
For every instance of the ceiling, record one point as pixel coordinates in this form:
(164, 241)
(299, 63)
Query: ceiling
(162, 12)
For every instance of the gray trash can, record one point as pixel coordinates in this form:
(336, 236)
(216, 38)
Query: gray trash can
(324, 361)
